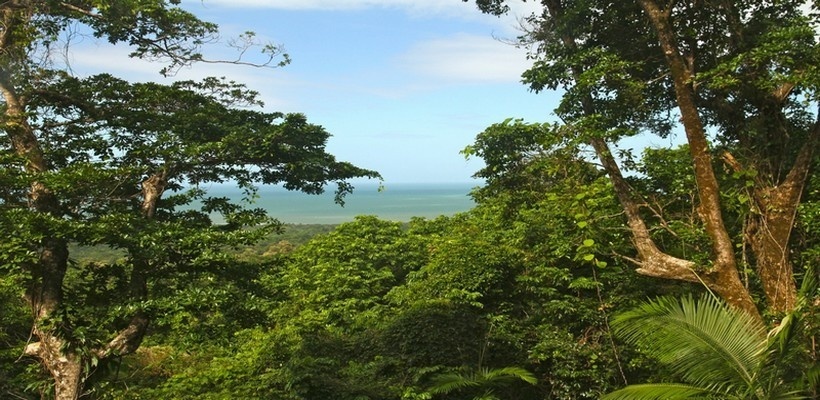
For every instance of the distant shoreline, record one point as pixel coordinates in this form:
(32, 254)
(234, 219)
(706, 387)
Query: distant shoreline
(395, 202)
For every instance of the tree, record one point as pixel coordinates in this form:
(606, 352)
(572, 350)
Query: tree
(101, 161)
(718, 352)
(741, 72)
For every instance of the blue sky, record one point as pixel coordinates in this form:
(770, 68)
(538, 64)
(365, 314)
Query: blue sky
(402, 85)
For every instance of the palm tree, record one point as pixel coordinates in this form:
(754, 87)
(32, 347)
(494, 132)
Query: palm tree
(717, 352)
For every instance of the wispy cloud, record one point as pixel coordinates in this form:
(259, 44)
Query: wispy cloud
(466, 58)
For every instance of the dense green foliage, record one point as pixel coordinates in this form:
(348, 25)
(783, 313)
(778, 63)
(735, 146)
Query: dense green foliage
(108, 270)
(377, 309)
(527, 282)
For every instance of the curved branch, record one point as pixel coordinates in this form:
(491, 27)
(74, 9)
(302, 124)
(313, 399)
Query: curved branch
(127, 340)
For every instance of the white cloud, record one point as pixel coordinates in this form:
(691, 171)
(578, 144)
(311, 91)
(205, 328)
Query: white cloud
(466, 58)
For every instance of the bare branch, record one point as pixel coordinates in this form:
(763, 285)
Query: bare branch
(83, 11)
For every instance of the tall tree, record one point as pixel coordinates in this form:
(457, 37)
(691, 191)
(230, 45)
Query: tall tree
(739, 78)
(92, 161)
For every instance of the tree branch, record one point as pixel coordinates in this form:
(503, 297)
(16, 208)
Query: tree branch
(802, 165)
(83, 11)
(128, 340)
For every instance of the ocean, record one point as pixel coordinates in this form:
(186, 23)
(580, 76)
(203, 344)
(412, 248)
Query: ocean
(395, 202)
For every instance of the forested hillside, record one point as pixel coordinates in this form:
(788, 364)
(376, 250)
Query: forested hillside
(586, 270)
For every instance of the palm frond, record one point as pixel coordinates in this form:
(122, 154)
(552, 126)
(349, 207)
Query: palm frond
(481, 378)
(813, 378)
(781, 336)
(780, 355)
(656, 391)
(450, 382)
(507, 374)
(706, 343)
(488, 395)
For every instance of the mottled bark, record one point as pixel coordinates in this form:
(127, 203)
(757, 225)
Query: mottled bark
(65, 367)
(152, 189)
(45, 295)
(771, 226)
(725, 277)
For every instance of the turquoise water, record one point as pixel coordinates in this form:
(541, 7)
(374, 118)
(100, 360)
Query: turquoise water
(395, 202)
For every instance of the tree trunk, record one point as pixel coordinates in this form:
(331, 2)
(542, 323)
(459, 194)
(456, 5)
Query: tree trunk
(65, 366)
(771, 228)
(769, 239)
(45, 295)
(725, 277)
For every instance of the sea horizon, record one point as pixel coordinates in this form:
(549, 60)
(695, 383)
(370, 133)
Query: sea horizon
(400, 201)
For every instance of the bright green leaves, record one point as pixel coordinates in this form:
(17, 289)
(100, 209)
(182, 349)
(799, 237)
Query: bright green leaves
(340, 278)
(586, 245)
(587, 205)
(586, 252)
(714, 351)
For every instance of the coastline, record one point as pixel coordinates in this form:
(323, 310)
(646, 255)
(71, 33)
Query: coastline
(395, 202)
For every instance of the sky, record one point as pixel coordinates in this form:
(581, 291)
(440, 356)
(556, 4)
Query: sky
(401, 85)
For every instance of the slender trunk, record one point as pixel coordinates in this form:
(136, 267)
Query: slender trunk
(724, 269)
(129, 338)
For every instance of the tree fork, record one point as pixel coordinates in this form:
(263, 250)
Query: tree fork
(654, 262)
(725, 262)
(774, 224)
